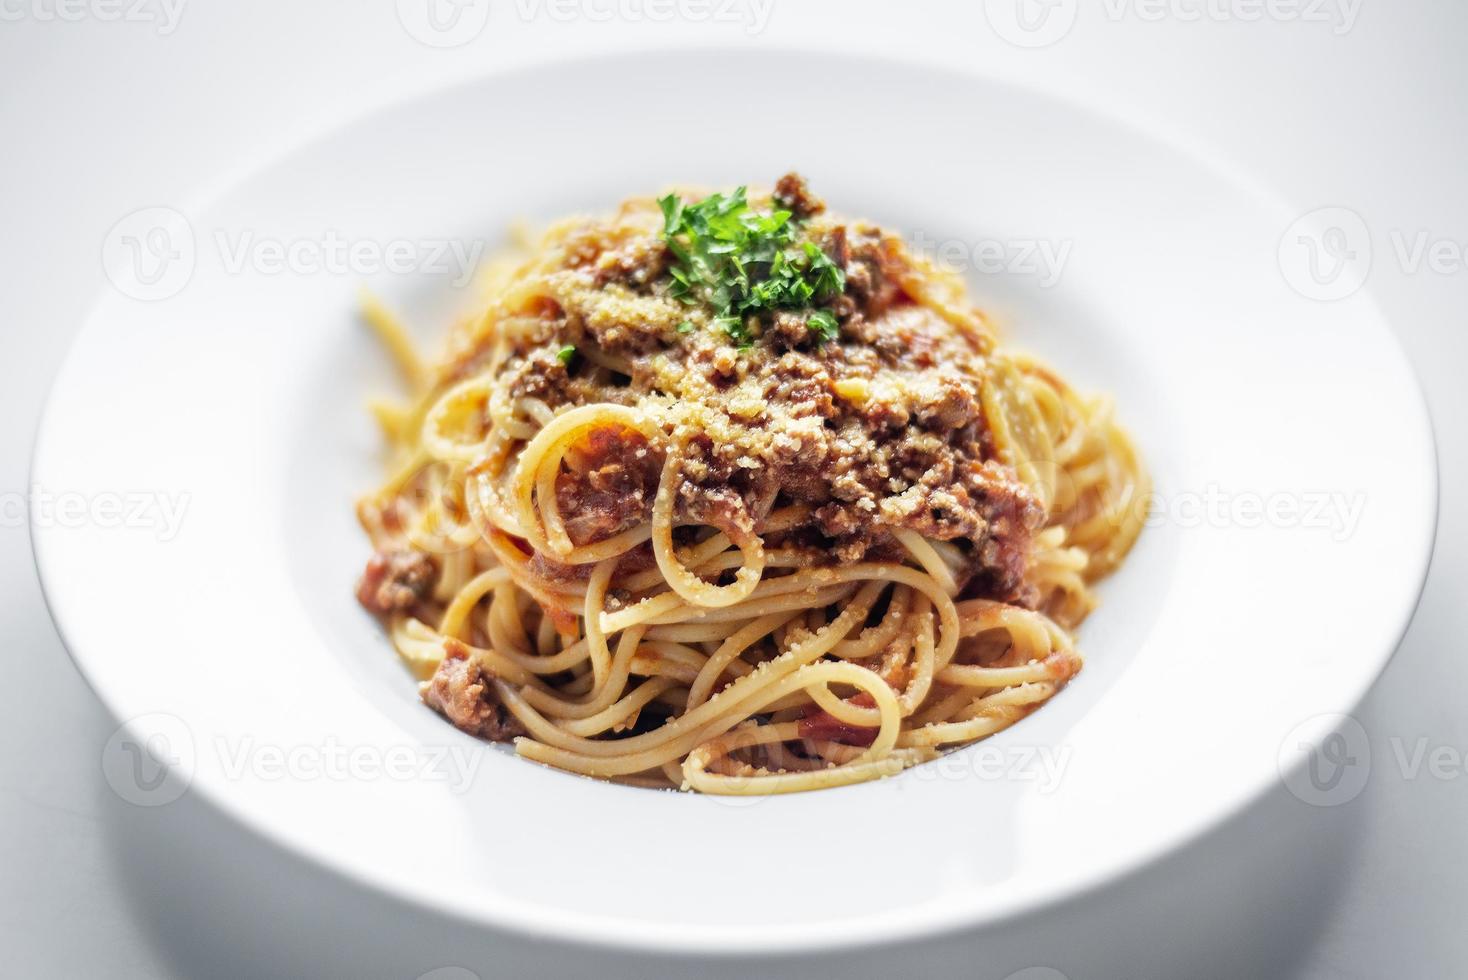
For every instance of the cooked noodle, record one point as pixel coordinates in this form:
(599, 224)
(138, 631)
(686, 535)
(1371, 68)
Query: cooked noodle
(564, 563)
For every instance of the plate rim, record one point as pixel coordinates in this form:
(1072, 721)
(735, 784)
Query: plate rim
(850, 933)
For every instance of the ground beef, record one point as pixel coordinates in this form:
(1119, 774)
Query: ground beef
(881, 427)
(873, 272)
(395, 580)
(792, 194)
(461, 692)
(609, 485)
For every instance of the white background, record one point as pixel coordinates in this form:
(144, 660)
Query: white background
(100, 118)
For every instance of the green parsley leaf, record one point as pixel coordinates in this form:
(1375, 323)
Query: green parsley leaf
(686, 326)
(823, 324)
(742, 264)
(735, 327)
(672, 207)
(566, 354)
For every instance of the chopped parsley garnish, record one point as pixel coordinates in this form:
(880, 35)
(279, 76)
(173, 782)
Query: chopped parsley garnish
(823, 323)
(686, 326)
(566, 354)
(744, 263)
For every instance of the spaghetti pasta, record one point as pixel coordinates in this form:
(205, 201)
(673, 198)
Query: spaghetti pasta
(736, 496)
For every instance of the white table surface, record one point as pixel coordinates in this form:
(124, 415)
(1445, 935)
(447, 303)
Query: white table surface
(100, 118)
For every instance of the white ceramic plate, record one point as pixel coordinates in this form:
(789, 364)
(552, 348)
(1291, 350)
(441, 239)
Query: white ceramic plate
(236, 389)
